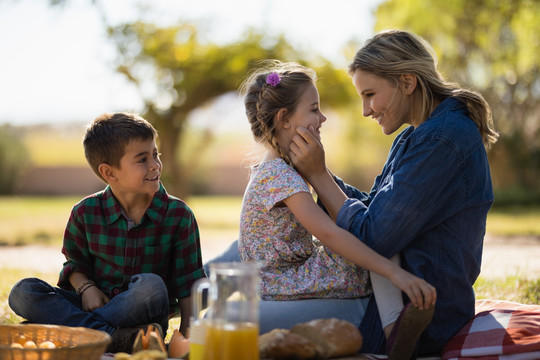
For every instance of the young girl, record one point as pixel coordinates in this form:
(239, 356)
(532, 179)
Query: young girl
(279, 215)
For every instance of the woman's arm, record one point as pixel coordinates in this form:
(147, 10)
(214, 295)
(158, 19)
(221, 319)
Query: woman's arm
(307, 154)
(349, 247)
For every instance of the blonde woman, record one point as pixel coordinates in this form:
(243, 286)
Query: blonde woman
(431, 200)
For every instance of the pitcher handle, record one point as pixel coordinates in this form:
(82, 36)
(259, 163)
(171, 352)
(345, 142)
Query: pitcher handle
(197, 298)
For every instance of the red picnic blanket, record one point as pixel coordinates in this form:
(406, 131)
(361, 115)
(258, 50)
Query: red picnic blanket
(500, 330)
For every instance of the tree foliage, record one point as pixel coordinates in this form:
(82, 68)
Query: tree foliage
(176, 74)
(491, 46)
(13, 157)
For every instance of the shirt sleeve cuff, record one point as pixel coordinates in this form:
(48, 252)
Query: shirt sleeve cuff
(67, 270)
(345, 218)
(185, 289)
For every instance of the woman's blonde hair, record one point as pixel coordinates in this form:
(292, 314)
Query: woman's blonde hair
(264, 98)
(393, 53)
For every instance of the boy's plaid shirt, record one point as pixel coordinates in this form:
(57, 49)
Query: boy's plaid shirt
(97, 243)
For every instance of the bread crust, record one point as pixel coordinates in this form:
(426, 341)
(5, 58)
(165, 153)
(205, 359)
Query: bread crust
(281, 344)
(316, 339)
(336, 337)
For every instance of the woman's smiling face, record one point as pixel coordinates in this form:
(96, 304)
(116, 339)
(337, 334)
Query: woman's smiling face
(382, 100)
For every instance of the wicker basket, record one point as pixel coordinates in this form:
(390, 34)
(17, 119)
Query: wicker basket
(74, 343)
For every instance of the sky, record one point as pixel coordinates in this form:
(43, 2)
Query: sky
(56, 63)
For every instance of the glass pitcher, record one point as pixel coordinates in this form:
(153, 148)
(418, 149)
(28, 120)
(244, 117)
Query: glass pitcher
(231, 321)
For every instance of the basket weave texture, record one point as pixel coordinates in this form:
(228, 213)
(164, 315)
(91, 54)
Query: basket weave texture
(76, 342)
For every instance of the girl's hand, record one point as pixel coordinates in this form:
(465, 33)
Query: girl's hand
(421, 294)
(307, 152)
(93, 298)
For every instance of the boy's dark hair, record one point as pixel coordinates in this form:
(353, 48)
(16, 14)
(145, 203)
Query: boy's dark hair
(108, 135)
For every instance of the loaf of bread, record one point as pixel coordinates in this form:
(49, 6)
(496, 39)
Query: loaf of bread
(317, 339)
(283, 345)
(336, 337)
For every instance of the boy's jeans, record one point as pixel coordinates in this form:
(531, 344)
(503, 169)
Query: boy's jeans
(144, 302)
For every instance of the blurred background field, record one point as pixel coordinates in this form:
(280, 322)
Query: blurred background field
(41, 219)
(180, 66)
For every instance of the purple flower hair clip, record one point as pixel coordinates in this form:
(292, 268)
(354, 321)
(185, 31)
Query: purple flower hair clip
(273, 79)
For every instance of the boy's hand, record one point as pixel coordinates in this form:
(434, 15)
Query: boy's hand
(93, 298)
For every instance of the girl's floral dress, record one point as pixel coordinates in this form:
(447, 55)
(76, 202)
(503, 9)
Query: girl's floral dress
(294, 264)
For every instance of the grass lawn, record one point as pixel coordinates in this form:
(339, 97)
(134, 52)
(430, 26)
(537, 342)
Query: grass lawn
(510, 289)
(41, 220)
(514, 221)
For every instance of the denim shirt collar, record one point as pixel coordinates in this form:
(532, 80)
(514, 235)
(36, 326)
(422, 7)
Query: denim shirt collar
(449, 104)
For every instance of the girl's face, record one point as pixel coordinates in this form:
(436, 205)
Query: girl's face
(383, 100)
(307, 113)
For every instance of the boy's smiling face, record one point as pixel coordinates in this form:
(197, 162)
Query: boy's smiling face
(140, 168)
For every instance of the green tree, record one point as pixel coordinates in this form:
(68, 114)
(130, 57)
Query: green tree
(184, 74)
(490, 46)
(13, 159)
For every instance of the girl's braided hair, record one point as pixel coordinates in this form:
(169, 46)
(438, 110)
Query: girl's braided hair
(263, 99)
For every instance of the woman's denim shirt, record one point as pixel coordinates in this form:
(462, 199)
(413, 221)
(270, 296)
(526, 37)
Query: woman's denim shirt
(430, 204)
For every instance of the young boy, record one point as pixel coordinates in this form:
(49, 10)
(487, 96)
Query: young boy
(132, 250)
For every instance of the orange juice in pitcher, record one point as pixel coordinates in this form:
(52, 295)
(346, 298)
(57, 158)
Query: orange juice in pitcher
(232, 341)
(231, 317)
(197, 339)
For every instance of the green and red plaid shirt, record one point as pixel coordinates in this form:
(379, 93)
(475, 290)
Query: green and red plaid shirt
(166, 242)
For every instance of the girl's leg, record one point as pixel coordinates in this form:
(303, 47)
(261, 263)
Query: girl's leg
(232, 254)
(286, 314)
(403, 325)
(38, 302)
(388, 298)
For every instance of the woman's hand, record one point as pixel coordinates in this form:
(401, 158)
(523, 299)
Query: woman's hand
(421, 294)
(307, 155)
(93, 298)
(307, 152)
